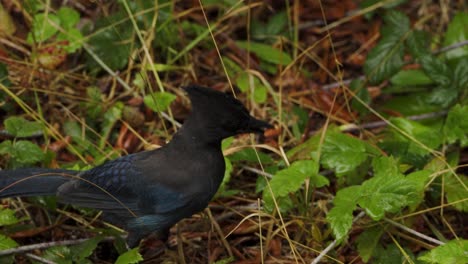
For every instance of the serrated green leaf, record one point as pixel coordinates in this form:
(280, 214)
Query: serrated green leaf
(457, 32)
(453, 252)
(8, 217)
(419, 179)
(418, 43)
(455, 191)
(266, 52)
(387, 193)
(289, 180)
(129, 257)
(443, 96)
(456, 125)
(340, 217)
(437, 70)
(384, 166)
(26, 152)
(460, 75)
(386, 59)
(68, 17)
(368, 241)
(411, 78)
(428, 136)
(159, 101)
(20, 127)
(43, 27)
(342, 153)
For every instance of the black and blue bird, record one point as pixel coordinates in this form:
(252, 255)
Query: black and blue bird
(148, 192)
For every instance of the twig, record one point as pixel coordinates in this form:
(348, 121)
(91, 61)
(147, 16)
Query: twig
(42, 260)
(381, 123)
(409, 230)
(339, 83)
(27, 248)
(332, 244)
(451, 47)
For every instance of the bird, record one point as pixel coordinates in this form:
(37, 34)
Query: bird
(148, 192)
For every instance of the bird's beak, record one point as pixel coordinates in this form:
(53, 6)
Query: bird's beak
(257, 126)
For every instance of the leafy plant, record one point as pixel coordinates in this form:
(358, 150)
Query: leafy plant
(22, 152)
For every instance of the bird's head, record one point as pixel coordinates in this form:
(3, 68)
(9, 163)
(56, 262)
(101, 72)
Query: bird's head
(222, 112)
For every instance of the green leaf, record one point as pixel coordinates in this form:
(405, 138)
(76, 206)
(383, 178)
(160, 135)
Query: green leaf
(289, 180)
(368, 241)
(68, 17)
(249, 154)
(392, 254)
(456, 125)
(43, 27)
(130, 257)
(386, 193)
(386, 59)
(81, 251)
(437, 70)
(260, 94)
(419, 179)
(111, 116)
(342, 153)
(74, 37)
(340, 217)
(266, 52)
(159, 101)
(460, 76)
(113, 42)
(418, 43)
(6, 242)
(20, 127)
(457, 32)
(424, 134)
(7, 217)
(259, 90)
(411, 78)
(26, 152)
(58, 254)
(453, 252)
(384, 166)
(277, 23)
(417, 103)
(5, 147)
(455, 191)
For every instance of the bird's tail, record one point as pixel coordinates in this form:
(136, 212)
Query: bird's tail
(32, 181)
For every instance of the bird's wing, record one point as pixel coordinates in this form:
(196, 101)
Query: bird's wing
(111, 187)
